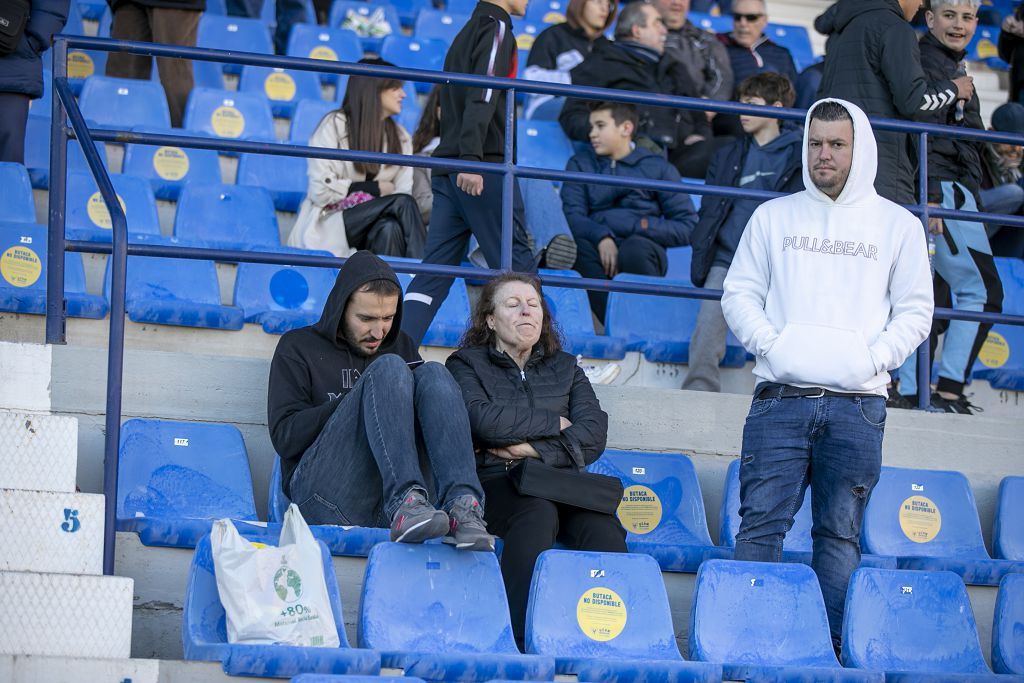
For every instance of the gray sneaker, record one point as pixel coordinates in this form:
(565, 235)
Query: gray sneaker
(416, 520)
(560, 253)
(468, 531)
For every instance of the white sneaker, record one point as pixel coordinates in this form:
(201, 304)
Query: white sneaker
(600, 374)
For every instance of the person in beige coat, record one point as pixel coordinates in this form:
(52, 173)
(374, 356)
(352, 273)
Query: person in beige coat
(352, 205)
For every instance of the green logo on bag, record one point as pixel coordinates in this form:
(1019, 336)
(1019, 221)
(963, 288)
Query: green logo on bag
(287, 584)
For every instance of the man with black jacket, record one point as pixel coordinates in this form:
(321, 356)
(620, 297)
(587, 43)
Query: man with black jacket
(357, 417)
(472, 129)
(874, 62)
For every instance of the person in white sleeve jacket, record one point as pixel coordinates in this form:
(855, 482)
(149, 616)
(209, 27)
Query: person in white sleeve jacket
(830, 289)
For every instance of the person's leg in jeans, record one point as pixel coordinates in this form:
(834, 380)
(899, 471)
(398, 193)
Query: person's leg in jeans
(13, 118)
(175, 27)
(288, 13)
(588, 264)
(484, 215)
(130, 22)
(846, 459)
(707, 345)
(774, 464)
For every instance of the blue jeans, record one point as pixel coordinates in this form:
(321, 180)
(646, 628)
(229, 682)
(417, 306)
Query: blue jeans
(835, 445)
(392, 426)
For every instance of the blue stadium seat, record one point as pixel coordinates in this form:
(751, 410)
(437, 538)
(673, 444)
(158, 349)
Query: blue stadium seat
(542, 144)
(439, 24)
(227, 217)
(662, 509)
(450, 321)
(571, 308)
(23, 263)
(666, 324)
(18, 205)
(176, 478)
(415, 53)
(182, 292)
(87, 215)
(409, 117)
(320, 42)
(91, 9)
(605, 617)
(331, 678)
(283, 176)
(984, 48)
(526, 32)
(343, 11)
(168, 169)
(928, 519)
(204, 633)
(308, 115)
(408, 9)
(229, 114)
(796, 40)
(441, 614)
(1008, 535)
(43, 105)
(910, 621)
(1001, 360)
(764, 620)
(1008, 626)
(208, 75)
(74, 26)
(710, 22)
(37, 152)
(546, 11)
(282, 298)
(679, 264)
(798, 539)
(233, 33)
(283, 88)
(124, 102)
(460, 6)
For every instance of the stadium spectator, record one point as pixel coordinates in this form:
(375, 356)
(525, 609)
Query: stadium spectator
(1011, 38)
(830, 288)
(527, 398)
(622, 229)
(424, 142)
(874, 61)
(353, 205)
(768, 157)
(357, 418)
(1002, 190)
(21, 70)
(963, 257)
(704, 57)
(750, 50)
(172, 22)
(287, 13)
(562, 47)
(636, 61)
(472, 129)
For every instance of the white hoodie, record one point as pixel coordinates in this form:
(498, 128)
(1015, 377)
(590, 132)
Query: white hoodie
(831, 294)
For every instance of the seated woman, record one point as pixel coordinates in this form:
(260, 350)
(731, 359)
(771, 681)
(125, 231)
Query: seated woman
(527, 398)
(354, 205)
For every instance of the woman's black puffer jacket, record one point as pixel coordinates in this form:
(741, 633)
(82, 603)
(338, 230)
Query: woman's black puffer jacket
(507, 406)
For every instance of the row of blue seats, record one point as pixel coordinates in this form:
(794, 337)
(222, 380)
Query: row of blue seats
(441, 615)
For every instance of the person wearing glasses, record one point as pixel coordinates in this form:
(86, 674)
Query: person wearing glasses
(750, 50)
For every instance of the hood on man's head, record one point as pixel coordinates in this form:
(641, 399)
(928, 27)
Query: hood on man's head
(860, 184)
(360, 268)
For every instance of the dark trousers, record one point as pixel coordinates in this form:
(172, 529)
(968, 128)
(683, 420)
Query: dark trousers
(287, 13)
(387, 226)
(156, 25)
(528, 526)
(637, 254)
(13, 117)
(456, 216)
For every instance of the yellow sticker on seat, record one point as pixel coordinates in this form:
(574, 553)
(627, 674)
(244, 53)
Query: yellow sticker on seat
(80, 65)
(20, 266)
(640, 510)
(601, 614)
(920, 519)
(227, 121)
(995, 351)
(279, 87)
(171, 163)
(323, 52)
(98, 213)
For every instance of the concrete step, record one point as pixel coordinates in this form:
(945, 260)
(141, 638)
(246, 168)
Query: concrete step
(46, 531)
(34, 669)
(64, 615)
(38, 452)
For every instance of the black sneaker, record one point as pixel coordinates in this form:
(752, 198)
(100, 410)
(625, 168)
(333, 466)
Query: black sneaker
(900, 401)
(560, 253)
(416, 520)
(468, 530)
(959, 405)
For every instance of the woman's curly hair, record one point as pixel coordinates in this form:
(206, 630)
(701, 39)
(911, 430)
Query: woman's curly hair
(479, 334)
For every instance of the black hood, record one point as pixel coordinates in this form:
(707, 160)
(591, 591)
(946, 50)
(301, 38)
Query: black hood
(360, 268)
(847, 10)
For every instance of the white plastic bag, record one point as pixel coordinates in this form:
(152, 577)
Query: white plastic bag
(273, 596)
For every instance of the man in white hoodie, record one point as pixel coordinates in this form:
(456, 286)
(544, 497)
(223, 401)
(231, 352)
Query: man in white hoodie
(830, 288)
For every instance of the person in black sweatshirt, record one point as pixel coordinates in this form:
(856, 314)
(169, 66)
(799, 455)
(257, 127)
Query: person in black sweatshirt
(472, 129)
(357, 417)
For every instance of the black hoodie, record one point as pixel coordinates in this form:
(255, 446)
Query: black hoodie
(315, 367)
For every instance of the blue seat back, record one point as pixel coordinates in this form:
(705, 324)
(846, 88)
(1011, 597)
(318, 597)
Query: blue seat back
(168, 169)
(415, 53)
(451, 320)
(760, 614)
(124, 102)
(37, 152)
(542, 144)
(903, 620)
(87, 214)
(1001, 358)
(1008, 626)
(526, 33)
(233, 33)
(569, 307)
(647, 317)
(283, 176)
(709, 22)
(283, 88)
(679, 259)
(208, 75)
(796, 40)
(229, 114)
(547, 11)
(592, 605)
(1008, 534)
(18, 205)
(231, 216)
(277, 502)
(924, 513)
(321, 42)
(439, 24)
(263, 287)
(308, 115)
(433, 598)
(183, 470)
(661, 501)
(797, 539)
(151, 279)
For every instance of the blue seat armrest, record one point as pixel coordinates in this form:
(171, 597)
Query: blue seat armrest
(353, 541)
(667, 351)
(946, 677)
(596, 346)
(168, 533)
(279, 322)
(185, 314)
(866, 559)
(800, 674)
(285, 661)
(467, 666)
(974, 572)
(86, 305)
(664, 671)
(23, 301)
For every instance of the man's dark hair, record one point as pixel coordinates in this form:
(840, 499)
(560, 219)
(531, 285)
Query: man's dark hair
(630, 16)
(770, 87)
(381, 287)
(831, 111)
(620, 111)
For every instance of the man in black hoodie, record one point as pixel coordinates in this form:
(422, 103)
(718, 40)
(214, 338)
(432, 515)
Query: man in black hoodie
(357, 417)
(873, 61)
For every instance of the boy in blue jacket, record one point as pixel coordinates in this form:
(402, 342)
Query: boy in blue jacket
(623, 229)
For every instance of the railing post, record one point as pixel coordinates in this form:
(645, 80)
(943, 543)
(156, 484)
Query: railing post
(56, 320)
(924, 361)
(508, 180)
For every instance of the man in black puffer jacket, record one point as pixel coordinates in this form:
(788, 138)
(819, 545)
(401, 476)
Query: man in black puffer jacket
(21, 73)
(874, 62)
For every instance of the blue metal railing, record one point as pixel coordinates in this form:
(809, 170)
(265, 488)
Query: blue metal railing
(64, 104)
